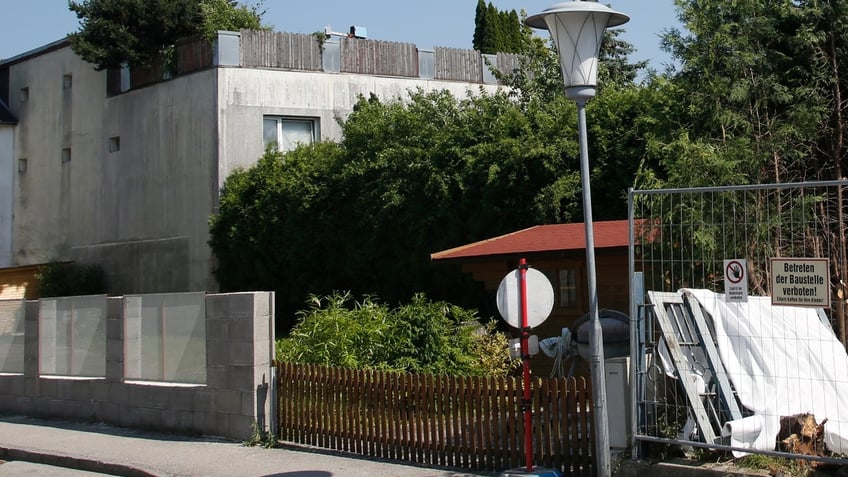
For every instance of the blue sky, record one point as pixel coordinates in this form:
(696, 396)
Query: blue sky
(33, 23)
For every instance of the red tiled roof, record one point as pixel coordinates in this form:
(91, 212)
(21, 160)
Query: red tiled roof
(543, 238)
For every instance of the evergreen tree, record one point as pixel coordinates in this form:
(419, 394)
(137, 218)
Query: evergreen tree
(763, 86)
(491, 31)
(479, 22)
(760, 97)
(496, 31)
(515, 34)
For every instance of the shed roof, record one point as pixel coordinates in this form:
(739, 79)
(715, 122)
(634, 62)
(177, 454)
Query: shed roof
(543, 238)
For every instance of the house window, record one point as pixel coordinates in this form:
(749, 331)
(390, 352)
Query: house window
(67, 81)
(564, 282)
(286, 133)
(114, 144)
(24, 95)
(22, 165)
(66, 155)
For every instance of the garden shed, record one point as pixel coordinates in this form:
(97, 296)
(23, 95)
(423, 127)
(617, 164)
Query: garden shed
(559, 251)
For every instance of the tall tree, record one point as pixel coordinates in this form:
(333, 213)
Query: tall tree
(765, 84)
(615, 67)
(759, 84)
(479, 24)
(113, 32)
(229, 15)
(137, 32)
(495, 31)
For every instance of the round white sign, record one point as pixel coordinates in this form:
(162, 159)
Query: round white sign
(540, 298)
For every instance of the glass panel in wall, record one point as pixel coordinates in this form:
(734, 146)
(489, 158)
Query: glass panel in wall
(427, 64)
(12, 336)
(72, 336)
(331, 56)
(269, 132)
(294, 132)
(165, 337)
(489, 62)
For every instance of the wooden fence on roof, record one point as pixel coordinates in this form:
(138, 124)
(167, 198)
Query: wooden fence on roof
(305, 52)
(473, 423)
(384, 58)
(269, 49)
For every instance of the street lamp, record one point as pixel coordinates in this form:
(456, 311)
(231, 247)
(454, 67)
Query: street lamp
(577, 28)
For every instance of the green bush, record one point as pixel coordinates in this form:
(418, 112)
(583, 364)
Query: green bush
(70, 279)
(420, 337)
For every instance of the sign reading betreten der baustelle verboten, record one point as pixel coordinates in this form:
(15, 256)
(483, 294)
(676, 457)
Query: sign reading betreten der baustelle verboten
(800, 282)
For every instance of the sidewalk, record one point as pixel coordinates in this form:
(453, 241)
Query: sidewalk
(111, 450)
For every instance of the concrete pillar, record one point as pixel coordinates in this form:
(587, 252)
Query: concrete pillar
(115, 340)
(239, 355)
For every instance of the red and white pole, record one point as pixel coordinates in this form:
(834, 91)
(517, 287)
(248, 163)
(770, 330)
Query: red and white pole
(525, 357)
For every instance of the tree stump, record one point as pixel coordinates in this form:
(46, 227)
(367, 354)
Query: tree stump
(800, 434)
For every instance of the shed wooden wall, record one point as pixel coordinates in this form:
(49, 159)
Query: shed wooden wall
(19, 282)
(612, 282)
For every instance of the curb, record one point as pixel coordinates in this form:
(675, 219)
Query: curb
(679, 469)
(70, 462)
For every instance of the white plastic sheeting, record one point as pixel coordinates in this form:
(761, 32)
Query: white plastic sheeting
(782, 361)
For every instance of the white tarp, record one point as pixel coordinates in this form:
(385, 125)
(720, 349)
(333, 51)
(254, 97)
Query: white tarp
(783, 361)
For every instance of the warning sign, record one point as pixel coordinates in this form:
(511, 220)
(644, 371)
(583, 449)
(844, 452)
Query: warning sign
(735, 281)
(800, 282)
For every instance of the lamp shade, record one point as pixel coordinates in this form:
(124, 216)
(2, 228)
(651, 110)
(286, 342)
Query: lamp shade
(577, 28)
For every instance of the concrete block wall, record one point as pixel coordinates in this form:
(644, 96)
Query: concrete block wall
(238, 392)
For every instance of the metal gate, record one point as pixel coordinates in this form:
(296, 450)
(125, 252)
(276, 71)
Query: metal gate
(711, 370)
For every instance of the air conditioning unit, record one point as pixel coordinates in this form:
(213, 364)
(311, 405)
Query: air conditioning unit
(358, 31)
(618, 401)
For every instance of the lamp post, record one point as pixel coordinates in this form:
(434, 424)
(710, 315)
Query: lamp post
(577, 28)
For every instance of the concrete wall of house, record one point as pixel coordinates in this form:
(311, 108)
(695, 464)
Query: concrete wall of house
(52, 96)
(237, 394)
(158, 189)
(247, 94)
(140, 210)
(8, 170)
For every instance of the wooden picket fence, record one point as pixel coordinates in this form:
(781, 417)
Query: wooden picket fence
(473, 423)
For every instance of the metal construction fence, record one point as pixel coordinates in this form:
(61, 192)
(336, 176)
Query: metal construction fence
(738, 323)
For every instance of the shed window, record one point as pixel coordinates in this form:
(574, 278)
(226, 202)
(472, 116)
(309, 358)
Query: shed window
(567, 289)
(564, 282)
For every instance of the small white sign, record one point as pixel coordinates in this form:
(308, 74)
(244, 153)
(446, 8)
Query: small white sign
(532, 347)
(800, 282)
(736, 280)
